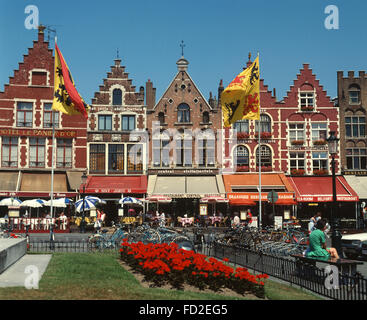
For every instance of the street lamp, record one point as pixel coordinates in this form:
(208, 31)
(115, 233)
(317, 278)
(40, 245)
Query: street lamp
(335, 234)
(84, 182)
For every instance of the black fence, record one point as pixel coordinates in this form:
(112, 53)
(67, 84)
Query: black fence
(81, 246)
(315, 279)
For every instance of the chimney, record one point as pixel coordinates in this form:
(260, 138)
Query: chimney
(150, 94)
(220, 90)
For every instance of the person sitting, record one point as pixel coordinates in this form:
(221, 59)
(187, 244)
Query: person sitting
(317, 247)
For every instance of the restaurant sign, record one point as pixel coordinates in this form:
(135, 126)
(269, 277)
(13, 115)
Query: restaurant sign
(37, 133)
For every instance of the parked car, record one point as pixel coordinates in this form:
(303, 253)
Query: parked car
(354, 245)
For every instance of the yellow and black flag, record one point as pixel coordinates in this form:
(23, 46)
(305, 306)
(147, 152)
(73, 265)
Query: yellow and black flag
(66, 98)
(241, 99)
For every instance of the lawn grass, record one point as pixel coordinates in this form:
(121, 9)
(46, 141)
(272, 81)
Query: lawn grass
(99, 276)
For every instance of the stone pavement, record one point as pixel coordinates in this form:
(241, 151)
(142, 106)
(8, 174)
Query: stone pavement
(26, 271)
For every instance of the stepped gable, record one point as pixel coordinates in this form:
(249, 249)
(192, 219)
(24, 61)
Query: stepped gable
(306, 81)
(39, 57)
(118, 78)
(266, 96)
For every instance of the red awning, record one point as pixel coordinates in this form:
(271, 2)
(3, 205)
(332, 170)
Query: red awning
(319, 189)
(285, 202)
(242, 202)
(118, 184)
(213, 199)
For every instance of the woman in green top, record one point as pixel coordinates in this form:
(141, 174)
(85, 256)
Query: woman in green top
(317, 247)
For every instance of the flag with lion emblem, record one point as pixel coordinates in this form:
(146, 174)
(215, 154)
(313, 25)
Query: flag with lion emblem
(66, 98)
(241, 99)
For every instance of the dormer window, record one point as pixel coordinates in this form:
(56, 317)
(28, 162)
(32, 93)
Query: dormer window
(354, 94)
(307, 101)
(183, 113)
(117, 97)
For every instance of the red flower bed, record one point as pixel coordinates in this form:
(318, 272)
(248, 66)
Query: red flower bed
(166, 264)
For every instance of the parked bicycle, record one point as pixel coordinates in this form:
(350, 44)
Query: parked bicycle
(102, 240)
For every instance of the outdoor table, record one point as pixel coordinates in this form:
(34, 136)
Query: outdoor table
(215, 219)
(187, 221)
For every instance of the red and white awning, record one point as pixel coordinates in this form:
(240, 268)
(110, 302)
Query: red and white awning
(213, 199)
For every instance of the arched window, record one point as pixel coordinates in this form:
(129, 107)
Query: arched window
(183, 113)
(354, 94)
(161, 118)
(266, 159)
(241, 156)
(117, 97)
(265, 124)
(206, 118)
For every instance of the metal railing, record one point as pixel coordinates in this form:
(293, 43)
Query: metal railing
(315, 279)
(80, 246)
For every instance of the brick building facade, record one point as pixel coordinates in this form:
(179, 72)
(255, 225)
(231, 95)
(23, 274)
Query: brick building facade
(352, 97)
(117, 139)
(26, 132)
(293, 147)
(184, 157)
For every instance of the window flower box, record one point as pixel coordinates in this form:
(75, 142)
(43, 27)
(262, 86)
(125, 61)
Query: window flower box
(242, 169)
(263, 135)
(297, 172)
(320, 172)
(307, 108)
(297, 142)
(265, 169)
(319, 142)
(243, 135)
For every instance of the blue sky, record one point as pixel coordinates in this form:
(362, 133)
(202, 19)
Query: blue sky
(218, 36)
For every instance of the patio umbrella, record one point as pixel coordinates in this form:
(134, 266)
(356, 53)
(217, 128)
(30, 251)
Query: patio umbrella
(88, 204)
(130, 200)
(59, 203)
(10, 202)
(159, 199)
(33, 203)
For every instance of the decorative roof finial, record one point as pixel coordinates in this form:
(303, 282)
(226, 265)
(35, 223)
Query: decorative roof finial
(249, 56)
(182, 45)
(118, 56)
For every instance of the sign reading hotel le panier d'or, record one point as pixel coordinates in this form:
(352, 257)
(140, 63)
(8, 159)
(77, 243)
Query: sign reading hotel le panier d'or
(37, 133)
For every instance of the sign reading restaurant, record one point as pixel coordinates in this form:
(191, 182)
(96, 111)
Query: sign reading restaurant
(37, 133)
(187, 172)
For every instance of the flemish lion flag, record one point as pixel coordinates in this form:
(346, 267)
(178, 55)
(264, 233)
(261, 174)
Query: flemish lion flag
(241, 99)
(66, 98)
